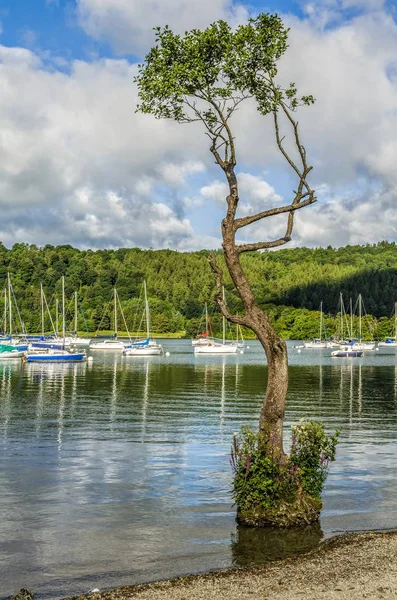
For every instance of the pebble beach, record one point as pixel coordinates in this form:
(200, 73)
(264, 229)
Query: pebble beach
(352, 566)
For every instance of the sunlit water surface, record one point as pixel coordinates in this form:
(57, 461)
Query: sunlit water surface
(117, 471)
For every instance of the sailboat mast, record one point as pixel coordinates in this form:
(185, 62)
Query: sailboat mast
(321, 320)
(56, 316)
(351, 318)
(9, 304)
(5, 311)
(395, 321)
(42, 309)
(146, 311)
(341, 315)
(206, 319)
(359, 316)
(115, 312)
(63, 311)
(223, 319)
(75, 313)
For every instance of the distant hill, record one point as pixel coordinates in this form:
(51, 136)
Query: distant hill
(290, 282)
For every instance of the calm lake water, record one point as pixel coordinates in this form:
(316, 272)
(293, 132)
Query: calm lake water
(116, 472)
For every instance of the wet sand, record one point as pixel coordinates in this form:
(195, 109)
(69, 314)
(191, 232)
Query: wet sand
(349, 567)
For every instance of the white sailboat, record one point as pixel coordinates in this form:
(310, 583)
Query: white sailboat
(147, 346)
(215, 346)
(389, 346)
(112, 344)
(52, 355)
(203, 339)
(318, 343)
(359, 345)
(17, 341)
(75, 340)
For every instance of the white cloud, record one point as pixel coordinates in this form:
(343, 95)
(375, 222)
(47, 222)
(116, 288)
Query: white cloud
(175, 174)
(323, 13)
(254, 192)
(78, 165)
(128, 24)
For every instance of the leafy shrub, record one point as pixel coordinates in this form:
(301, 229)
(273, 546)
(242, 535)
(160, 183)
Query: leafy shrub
(311, 453)
(260, 482)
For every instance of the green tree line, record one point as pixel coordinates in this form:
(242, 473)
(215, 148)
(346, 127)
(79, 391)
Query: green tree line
(291, 283)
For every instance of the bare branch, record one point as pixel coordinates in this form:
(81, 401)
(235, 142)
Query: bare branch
(262, 245)
(272, 244)
(244, 221)
(279, 141)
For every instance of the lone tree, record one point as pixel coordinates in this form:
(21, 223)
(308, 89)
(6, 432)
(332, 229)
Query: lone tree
(205, 76)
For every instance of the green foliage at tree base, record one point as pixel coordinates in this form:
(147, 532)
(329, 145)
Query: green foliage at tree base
(268, 492)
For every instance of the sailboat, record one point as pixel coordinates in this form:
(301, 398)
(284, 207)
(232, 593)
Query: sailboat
(52, 355)
(110, 344)
(9, 339)
(74, 340)
(147, 346)
(203, 339)
(42, 342)
(215, 346)
(389, 346)
(359, 345)
(318, 343)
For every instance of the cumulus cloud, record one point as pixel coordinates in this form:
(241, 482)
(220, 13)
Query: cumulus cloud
(255, 193)
(128, 24)
(78, 165)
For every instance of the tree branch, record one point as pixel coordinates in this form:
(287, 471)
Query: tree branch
(244, 221)
(237, 319)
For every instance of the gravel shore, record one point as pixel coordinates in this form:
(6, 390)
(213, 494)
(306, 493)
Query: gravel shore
(349, 567)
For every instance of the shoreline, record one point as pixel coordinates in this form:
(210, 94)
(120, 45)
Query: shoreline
(350, 565)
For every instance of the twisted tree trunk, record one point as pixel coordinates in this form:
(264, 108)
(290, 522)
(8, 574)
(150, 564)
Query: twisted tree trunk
(273, 408)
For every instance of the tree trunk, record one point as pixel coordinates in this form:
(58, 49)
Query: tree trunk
(273, 408)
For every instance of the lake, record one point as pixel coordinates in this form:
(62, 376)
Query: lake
(116, 471)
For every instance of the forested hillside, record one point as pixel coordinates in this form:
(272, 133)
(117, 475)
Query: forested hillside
(291, 282)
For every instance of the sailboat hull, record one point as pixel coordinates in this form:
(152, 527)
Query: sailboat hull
(108, 345)
(11, 355)
(218, 349)
(56, 358)
(387, 347)
(147, 351)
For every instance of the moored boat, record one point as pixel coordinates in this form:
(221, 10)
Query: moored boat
(7, 352)
(347, 352)
(215, 346)
(389, 345)
(54, 356)
(144, 347)
(109, 345)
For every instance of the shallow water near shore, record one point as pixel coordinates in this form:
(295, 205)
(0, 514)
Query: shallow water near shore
(116, 472)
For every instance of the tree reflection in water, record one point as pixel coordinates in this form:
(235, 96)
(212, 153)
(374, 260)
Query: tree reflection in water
(257, 546)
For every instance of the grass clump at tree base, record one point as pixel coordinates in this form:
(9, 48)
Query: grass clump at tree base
(281, 493)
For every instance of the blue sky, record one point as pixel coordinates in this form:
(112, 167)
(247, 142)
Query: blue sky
(78, 166)
(52, 25)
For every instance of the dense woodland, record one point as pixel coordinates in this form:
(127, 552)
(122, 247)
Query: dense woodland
(291, 283)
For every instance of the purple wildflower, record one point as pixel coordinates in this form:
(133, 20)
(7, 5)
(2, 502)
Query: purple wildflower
(248, 465)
